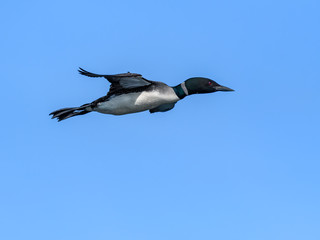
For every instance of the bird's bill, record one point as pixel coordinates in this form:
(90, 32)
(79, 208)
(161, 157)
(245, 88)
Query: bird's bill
(223, 88)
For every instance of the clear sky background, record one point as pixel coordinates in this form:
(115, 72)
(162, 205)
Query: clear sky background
(238, 165)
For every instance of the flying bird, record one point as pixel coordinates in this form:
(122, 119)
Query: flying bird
(131, 93)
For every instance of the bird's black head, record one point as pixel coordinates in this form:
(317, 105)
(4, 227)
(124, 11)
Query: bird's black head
(204, 85)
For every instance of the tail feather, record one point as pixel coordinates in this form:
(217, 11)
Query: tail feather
(65, 113)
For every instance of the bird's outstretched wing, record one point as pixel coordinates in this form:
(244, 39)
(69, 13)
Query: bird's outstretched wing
(120, 81)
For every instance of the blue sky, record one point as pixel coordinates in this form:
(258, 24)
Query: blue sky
(240, 165)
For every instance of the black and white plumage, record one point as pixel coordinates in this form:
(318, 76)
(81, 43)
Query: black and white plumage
(131, 93)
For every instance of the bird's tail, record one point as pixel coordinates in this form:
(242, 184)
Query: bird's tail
(65, 113)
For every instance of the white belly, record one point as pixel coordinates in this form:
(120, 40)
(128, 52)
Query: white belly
(136, 102)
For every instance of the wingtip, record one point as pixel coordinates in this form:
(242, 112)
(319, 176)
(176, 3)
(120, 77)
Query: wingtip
(81, 70)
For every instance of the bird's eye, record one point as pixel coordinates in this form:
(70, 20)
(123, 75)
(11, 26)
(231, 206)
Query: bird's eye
(209, 83)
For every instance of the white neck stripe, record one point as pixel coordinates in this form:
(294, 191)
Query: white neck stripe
(184, 88)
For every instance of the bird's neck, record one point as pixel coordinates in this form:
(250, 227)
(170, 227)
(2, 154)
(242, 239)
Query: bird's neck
(181, 90)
